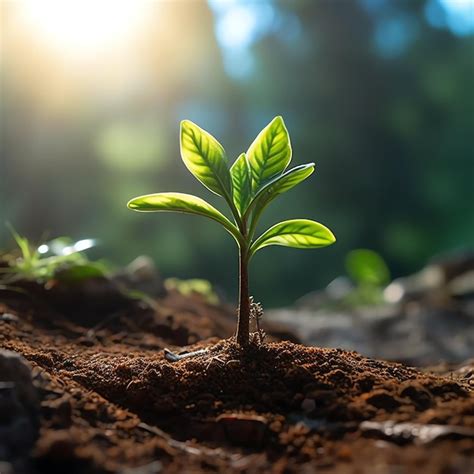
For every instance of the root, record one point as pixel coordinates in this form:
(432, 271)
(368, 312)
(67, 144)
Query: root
(256, 313)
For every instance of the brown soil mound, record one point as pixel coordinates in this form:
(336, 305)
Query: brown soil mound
(111, 401)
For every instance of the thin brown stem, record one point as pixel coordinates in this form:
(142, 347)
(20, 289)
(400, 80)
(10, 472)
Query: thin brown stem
(243, 325)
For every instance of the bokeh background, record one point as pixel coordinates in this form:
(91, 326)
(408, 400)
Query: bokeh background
(379, 93)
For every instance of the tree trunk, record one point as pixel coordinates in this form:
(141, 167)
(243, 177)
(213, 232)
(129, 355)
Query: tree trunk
(243, 325)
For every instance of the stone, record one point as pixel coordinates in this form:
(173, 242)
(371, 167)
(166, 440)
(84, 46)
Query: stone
(19, 408)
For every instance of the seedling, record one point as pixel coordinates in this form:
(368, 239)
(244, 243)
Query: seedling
(255, 179)
(370, 274)
(193, 286)
(61, 259)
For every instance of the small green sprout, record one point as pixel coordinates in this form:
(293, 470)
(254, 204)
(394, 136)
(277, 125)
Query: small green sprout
(194, 285)
(371, 275)
(255, 179)
(367, 267)
(61, 258)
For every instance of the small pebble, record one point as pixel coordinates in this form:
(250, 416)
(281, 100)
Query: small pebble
(8, 317)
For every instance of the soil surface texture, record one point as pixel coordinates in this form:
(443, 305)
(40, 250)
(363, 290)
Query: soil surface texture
(102, 397)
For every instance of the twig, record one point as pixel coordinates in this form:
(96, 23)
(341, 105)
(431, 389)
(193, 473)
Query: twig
(172, 357)
(181, 446)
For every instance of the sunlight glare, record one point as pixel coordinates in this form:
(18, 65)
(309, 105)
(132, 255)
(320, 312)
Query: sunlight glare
(84, 27)
(78, 246)
(43, 249)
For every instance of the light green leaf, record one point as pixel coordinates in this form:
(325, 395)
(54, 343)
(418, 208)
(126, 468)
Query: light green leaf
(205, 158)
(281, 184)
(179, 202)
(367, 267)
(296, 233)
(22, 243)
(270, 153)
(241, 183)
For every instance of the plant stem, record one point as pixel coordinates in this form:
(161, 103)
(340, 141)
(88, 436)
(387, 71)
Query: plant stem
(243, 324)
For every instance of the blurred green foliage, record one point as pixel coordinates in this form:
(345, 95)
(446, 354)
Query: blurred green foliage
(193, 286)
(378, 94)
(367, 267)
(370, 275)
(58, 259)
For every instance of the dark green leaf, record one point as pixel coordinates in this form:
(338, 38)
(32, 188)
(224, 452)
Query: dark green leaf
(80, 272)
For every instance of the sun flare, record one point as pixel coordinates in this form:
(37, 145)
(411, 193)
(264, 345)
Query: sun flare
(83, 27)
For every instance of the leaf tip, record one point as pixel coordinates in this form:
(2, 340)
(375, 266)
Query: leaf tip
(132, 204)
(185, 124)
(331, 237)
(278, 121)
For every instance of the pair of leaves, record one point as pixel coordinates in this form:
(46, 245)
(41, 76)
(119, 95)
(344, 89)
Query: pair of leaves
(252, 182)
(297, 233)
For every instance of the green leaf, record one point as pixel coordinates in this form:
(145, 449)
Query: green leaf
(205, 158)
(367, 267)
(22, 243)
(81, 272)
(179, 202)
(296, 233)
(270, 153)
(281, 184)
(241, 183)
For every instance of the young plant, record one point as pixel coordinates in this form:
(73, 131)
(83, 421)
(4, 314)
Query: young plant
(255, 179)
(370, 274)
(60, 259)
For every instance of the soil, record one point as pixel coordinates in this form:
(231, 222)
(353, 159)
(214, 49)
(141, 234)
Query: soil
(109, 400)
